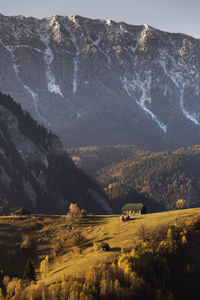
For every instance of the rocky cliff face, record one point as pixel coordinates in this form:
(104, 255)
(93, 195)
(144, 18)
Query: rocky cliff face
(101, 82)
(35, 171)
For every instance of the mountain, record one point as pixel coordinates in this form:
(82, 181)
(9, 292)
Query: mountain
(99, 82)
(35, 171)
(157, 179)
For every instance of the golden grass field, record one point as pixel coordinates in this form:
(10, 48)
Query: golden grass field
(70, 248)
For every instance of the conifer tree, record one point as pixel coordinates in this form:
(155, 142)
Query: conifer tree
(29, 272)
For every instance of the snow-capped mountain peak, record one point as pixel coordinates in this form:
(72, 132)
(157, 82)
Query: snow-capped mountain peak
(141, 82)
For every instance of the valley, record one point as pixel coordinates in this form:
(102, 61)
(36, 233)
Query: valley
(129, 174)
(99, 160)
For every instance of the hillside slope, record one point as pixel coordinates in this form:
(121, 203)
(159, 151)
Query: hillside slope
(157, 179)
(71, 256)
(100, 82)
(35, 171)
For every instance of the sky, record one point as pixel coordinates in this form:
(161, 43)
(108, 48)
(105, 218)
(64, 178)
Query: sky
(169, 15)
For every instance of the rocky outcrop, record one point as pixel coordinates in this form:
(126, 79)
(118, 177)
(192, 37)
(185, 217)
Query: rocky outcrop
(35, 171)
(101, 82)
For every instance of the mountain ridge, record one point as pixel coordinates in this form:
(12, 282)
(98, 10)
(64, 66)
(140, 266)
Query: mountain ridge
(133, 83)
(96, 19)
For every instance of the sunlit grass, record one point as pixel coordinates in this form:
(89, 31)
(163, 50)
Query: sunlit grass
(70, 248)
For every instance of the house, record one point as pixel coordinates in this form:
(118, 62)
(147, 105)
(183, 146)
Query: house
(133, 209)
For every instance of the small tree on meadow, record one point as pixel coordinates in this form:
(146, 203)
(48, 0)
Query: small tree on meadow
(44, 266)
(180, 203)
(26, 242)
(74, 210)
(170, 235)
(73, 213)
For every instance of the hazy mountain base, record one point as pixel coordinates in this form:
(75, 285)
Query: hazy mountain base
(150, 257)
(93, 158)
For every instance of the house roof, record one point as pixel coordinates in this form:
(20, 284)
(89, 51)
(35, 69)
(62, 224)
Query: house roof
(133, 206)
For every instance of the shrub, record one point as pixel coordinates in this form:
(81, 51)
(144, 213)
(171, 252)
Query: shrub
(74, 210)
(184, 239)
(26, 242)
(193, 222)
(105, 247)
(180, 203)
(73, 213)
(10, 289)
(6, 280)
(19, 290)
(124, 218)
(96, 246)
(83, 213)
(101, 246)
(170, 235)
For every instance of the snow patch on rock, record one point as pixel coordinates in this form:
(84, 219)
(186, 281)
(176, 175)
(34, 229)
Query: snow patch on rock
(36, 104)
(176, 75)
(48, 58)
(76, 57)
(108, 22)
(143, 86)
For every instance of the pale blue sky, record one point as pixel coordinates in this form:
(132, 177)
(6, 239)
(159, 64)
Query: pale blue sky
(169, 15)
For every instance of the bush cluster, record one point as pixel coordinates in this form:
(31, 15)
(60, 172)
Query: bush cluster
(101, 246)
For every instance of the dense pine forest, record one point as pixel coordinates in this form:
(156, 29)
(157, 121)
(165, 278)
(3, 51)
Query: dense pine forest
(161, 178)
(158, 179)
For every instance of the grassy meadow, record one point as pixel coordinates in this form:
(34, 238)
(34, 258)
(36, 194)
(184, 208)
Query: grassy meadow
(71, 247)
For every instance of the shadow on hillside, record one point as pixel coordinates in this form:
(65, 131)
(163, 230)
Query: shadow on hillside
(59, 270)
(115, 249)
(93, 220)
(103, 240)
